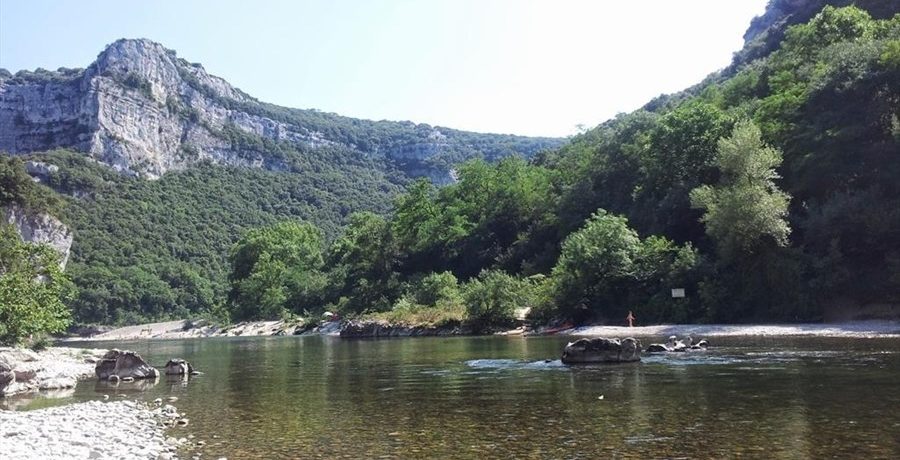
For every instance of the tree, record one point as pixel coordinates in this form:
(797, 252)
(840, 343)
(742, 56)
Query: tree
(746, 206)
(277, 269)
(16, 186)
(605, 269)
(493, 297)
(362, 262)
(32, 289)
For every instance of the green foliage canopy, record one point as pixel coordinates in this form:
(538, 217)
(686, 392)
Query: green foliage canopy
(747, 204)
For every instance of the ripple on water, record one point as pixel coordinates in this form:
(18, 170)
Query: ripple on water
(515, 364)
(638, 439)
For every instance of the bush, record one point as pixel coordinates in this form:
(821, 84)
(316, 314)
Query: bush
(436, 288)
(413, 314)
(493, 297)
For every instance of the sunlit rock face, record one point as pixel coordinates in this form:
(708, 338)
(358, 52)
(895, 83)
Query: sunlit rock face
(144, 111)
(39, 227)
(137, 108)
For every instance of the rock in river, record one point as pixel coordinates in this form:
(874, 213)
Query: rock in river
(602, 350)
(178, 367)
(124, 364)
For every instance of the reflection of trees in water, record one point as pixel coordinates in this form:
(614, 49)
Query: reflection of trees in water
(423, 397)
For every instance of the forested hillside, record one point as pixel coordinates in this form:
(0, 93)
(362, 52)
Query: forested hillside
(769, 192)
(157, 249)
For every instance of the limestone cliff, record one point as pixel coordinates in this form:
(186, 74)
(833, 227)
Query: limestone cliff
(144, 111)
(39, 227)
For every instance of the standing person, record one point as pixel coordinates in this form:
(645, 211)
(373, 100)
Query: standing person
(630, 318)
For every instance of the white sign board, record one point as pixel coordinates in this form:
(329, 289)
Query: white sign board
(677, 293)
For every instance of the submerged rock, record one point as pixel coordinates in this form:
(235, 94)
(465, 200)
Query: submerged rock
(602, 350)
(701, 345)
(675, 345)
(123, 364)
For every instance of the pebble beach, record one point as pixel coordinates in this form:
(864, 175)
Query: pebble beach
(89, 430)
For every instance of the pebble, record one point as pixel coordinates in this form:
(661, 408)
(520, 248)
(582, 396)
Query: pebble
(84, 430)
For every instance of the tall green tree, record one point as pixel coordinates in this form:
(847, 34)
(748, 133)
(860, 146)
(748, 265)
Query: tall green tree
(746, 206)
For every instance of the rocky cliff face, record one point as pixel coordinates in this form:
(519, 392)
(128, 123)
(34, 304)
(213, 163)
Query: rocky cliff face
(144, 111)
(768, 30)
(39, 228)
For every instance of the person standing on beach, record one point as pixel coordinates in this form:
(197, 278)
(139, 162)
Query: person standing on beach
(630, 318)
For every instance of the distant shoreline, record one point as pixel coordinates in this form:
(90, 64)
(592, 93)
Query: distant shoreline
(857, 329)
(184, 329)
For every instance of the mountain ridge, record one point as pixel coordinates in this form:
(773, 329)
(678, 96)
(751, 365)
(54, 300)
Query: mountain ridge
(145, 111)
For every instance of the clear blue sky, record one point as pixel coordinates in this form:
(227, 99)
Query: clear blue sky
(510, 66)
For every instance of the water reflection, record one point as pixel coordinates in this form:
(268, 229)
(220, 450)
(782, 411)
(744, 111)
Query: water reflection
(319, 397)
(36, 400)
(124, 388)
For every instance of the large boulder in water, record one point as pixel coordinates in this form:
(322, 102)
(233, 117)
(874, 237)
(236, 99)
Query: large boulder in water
(602, 350)
(124, 364)
(178, 367)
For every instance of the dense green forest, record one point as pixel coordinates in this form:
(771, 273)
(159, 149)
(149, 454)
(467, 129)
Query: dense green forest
(767, 192)
(148, 250)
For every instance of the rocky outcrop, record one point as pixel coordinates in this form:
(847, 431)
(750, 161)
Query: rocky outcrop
(602, 350)
(39, 227)
(24, 371)
(124, 365)
(766, 31)
(144, 111)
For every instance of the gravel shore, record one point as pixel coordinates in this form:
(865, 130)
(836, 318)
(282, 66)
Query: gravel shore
(55, 368)
(184, 329)
(90, 430)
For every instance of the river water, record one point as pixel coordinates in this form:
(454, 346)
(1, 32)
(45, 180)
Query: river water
(499, 397)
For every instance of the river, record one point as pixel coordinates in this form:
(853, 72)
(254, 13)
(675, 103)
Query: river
(499, 397)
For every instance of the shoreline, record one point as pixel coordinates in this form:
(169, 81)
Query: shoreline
(184, 329)
(849, 329)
